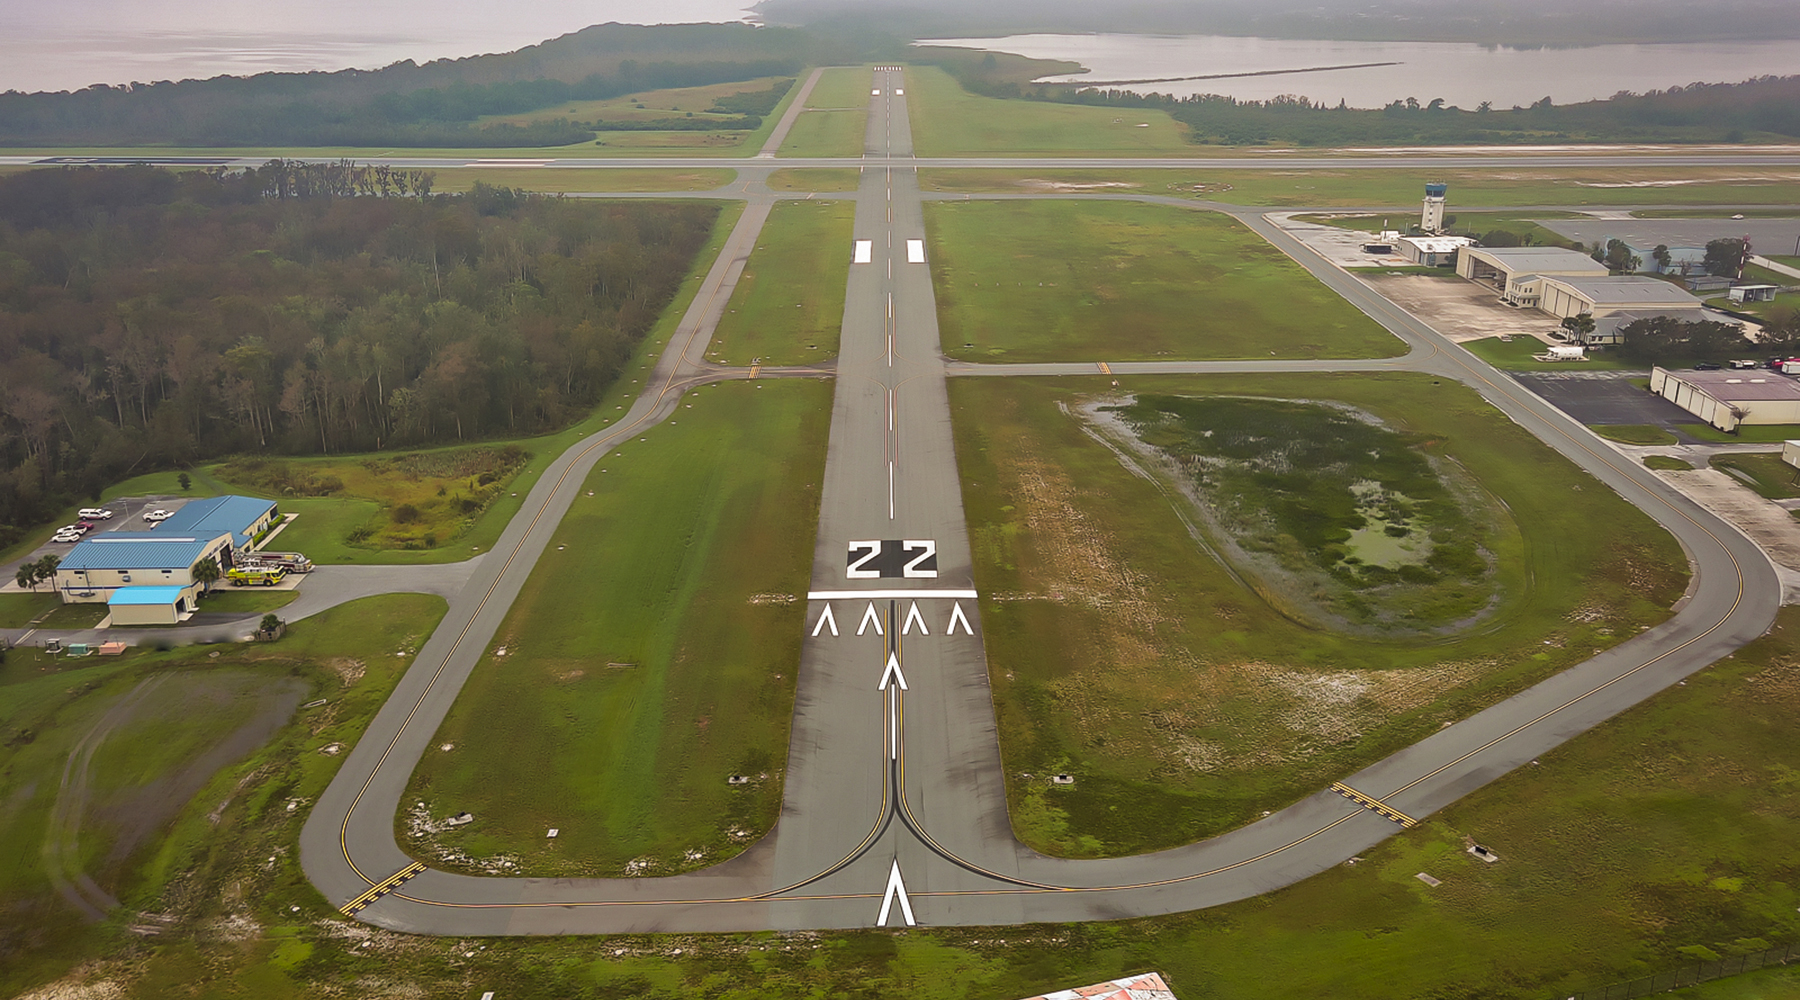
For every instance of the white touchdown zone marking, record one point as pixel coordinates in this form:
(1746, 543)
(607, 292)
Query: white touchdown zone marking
(865, 252)
(915, 251)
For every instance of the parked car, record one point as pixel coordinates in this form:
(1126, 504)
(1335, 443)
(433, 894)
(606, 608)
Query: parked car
(66, 536)
(74, 529)
(95, 514)
(85, 525)
(1708, 366)
(157, 515)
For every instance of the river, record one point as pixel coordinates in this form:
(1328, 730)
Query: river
(1372, 74)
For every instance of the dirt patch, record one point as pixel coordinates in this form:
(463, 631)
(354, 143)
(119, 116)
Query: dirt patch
(131, 816)
(348, 670)
(1038, 184)
(1768, 524)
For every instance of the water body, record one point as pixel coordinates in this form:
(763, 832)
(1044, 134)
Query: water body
(75, 43)
(1373, 74)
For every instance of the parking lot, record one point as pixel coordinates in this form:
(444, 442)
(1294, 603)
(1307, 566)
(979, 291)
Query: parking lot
(127, 516)
(1606, 398)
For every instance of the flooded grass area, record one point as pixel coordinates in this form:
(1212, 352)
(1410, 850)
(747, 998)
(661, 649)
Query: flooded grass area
(1151, 640)
(1344, 523)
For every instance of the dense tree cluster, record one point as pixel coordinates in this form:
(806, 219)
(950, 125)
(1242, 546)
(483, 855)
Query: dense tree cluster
(148, 318)
(1662, 340)
(435, 105)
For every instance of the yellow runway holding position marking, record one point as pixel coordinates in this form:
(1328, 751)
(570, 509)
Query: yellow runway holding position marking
(375, 891)
(1374, 805)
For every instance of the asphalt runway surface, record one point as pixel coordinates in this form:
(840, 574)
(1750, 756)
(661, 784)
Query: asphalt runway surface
(894, 807)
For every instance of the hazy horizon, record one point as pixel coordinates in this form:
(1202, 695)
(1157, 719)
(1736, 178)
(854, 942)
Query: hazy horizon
(80, 43)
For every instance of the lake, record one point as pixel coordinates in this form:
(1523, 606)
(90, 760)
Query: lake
(71, 44)
(1460, 73)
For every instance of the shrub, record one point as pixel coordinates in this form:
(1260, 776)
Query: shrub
(405, 514)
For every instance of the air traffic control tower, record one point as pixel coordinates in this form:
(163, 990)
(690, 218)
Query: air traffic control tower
(1432, 220)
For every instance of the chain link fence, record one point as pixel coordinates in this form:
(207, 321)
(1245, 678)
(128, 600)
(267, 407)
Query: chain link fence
(1699, 972)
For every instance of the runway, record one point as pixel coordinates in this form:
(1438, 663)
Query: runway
(894, 809)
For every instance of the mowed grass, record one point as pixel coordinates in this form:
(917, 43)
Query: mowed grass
(1402, 187)
(789, 303)
(833, 179)
(644, 106)
(1639, 434)
(1519, 354)
(563, 180)
(1746, 433)
(836, 117)
(1765, 473)
(651, 654)
(1184, 701)
(1478, 223)
(1117, 281)
(949, 121)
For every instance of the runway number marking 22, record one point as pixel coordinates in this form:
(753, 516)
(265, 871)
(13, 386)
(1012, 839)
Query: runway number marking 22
(910, 558)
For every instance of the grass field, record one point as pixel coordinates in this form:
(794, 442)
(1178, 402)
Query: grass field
(1087, 281)
(789, 303)
(1763, 472)
(949, 121)
(1401, 187)
(1186, 702)
(1751, 433)
(645, 106)
(836, 116)
(654, 655)
(188, 808)
(1517, 355)
(1643, 837)
(577, 179)
(833, 180)
(1642, 434)
(244, 601)
(1665, 463)
(20, 610)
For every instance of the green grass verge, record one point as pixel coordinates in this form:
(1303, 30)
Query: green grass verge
(658, 649)
(1753, 433)
(1517, 355)
(1646, 836)
(789, 302)
(834, 180)
(1634, 433)
(245, 601)
(1116, 281)
(836, 118)
(580, 179)
(230, 824)
(1714, 213)
(1666, 463)
(1765, 473)
(1399, 187)
(949, 121)
(20, 610)
(1186, 702)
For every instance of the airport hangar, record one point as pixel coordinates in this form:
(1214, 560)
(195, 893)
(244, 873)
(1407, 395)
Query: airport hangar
(147, 577)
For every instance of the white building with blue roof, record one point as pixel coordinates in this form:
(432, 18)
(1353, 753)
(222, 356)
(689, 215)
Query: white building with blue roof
(147, 577)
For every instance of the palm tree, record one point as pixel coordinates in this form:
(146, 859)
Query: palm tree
(27, 576)
(206, 573)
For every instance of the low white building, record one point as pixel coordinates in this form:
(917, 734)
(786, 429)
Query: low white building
(1432, 251)
(1729, 400)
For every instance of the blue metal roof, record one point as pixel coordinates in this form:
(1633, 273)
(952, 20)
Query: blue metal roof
(128, 550)
(145, 595)
(215, 516)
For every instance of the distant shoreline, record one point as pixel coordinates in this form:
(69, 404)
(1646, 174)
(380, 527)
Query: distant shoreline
(1220, 76)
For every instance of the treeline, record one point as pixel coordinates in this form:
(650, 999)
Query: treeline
(150, 319)
(410, 105)
(1661, 339)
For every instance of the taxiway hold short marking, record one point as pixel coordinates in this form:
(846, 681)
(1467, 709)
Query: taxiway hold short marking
(1374, 805)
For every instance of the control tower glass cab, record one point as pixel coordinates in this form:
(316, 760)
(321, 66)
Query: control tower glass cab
(1432, 219)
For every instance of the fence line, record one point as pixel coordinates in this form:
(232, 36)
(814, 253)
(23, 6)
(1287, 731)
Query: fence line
(1693, 975)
